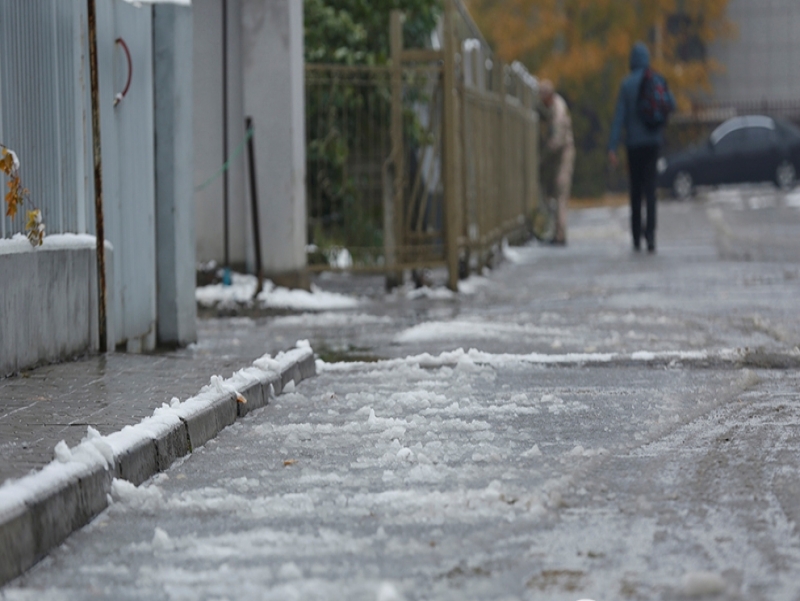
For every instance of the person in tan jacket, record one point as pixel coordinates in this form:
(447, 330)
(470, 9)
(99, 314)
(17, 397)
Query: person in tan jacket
(560, 146)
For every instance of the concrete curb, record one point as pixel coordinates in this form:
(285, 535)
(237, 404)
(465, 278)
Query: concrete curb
(38, 512)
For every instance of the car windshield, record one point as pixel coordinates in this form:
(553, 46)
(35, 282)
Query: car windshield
(738, 123)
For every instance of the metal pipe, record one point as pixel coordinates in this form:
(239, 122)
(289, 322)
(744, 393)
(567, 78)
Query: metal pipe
(251, 156)
(225, 175)
(453, 207)
(98, 179)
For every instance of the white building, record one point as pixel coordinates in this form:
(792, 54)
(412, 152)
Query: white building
(248, 61)
(762, 58)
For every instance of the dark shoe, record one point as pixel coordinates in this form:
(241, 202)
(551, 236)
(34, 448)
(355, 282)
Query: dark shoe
(636, 246)
(558, 242)
(651, 248)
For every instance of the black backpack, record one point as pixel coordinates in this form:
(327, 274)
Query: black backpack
(653, 104)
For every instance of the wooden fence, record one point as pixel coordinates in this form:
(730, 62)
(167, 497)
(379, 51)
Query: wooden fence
(429, 161)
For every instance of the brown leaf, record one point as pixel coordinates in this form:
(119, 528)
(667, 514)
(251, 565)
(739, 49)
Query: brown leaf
(289, 462)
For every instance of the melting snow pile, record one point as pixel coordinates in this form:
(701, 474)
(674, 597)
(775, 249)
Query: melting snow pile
(242, 290)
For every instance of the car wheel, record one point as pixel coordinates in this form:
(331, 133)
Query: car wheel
(786, 176)
(682, 185)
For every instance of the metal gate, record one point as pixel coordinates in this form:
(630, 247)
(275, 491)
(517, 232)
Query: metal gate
(426, 162)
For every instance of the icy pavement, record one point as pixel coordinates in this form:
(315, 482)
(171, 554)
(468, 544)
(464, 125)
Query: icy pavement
(628, 427)
(466, 481)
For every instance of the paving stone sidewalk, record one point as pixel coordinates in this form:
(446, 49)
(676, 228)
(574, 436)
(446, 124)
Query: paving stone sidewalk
(43, 406)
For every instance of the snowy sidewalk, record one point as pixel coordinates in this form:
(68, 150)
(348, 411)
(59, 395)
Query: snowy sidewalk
(717, 297)
(40, 509)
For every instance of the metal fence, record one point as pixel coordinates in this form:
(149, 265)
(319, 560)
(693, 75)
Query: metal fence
(44, 92)
(347, 123)
(429, 161)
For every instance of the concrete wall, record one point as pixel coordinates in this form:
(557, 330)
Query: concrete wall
(272, 48)
(265, 79)
(209, 129)
(762, 58)
(48, 301)
(175, 232)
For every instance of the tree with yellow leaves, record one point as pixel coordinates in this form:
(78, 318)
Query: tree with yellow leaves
(17, 195)
(584, 46)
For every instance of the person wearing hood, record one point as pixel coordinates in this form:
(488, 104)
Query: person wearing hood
(642, 145)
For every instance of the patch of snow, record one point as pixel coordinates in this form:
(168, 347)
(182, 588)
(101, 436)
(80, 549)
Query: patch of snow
(388, 592)
(243, 288)
(793, 200)
(532, 452)
(19, 243)
(162, 541)
(241, 291)
(330, 319)
(700, 584)
(275, 297)
(512, 255)
(472, 284)
(62, 452)
(431, 293)
(290, 571)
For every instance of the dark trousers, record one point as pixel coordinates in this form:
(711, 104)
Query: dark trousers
(642, 170)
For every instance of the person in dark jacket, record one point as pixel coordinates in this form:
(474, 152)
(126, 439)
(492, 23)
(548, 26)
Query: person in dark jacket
(642, 145)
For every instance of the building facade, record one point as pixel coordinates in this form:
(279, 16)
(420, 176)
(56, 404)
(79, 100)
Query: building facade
(762, 58)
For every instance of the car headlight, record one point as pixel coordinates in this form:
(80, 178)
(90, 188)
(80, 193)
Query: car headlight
(661, 165)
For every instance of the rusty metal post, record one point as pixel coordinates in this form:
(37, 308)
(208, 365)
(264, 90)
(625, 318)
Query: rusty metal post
(98, 179)
(451, 160)
(393, 202)
(251, 163)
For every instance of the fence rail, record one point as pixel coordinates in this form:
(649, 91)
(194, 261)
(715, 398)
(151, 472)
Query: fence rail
(431, 160)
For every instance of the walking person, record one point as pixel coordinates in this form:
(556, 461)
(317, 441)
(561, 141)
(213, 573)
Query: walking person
(560, 147)
(643, 104)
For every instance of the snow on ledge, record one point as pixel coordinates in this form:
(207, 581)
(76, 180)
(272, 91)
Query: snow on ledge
(20, 244)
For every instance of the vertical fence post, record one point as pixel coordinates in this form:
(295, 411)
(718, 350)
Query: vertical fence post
(451, 162)
(503, 157)
(251, 162)
(225, 174)
(394, 191)
(98, 179)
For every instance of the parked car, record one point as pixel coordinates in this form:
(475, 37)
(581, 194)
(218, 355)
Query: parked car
(747, 149)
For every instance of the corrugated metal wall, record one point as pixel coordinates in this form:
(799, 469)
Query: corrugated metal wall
(208, 134)
(42, 86)
(45, 117)
(129, 167)
(760, 62)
